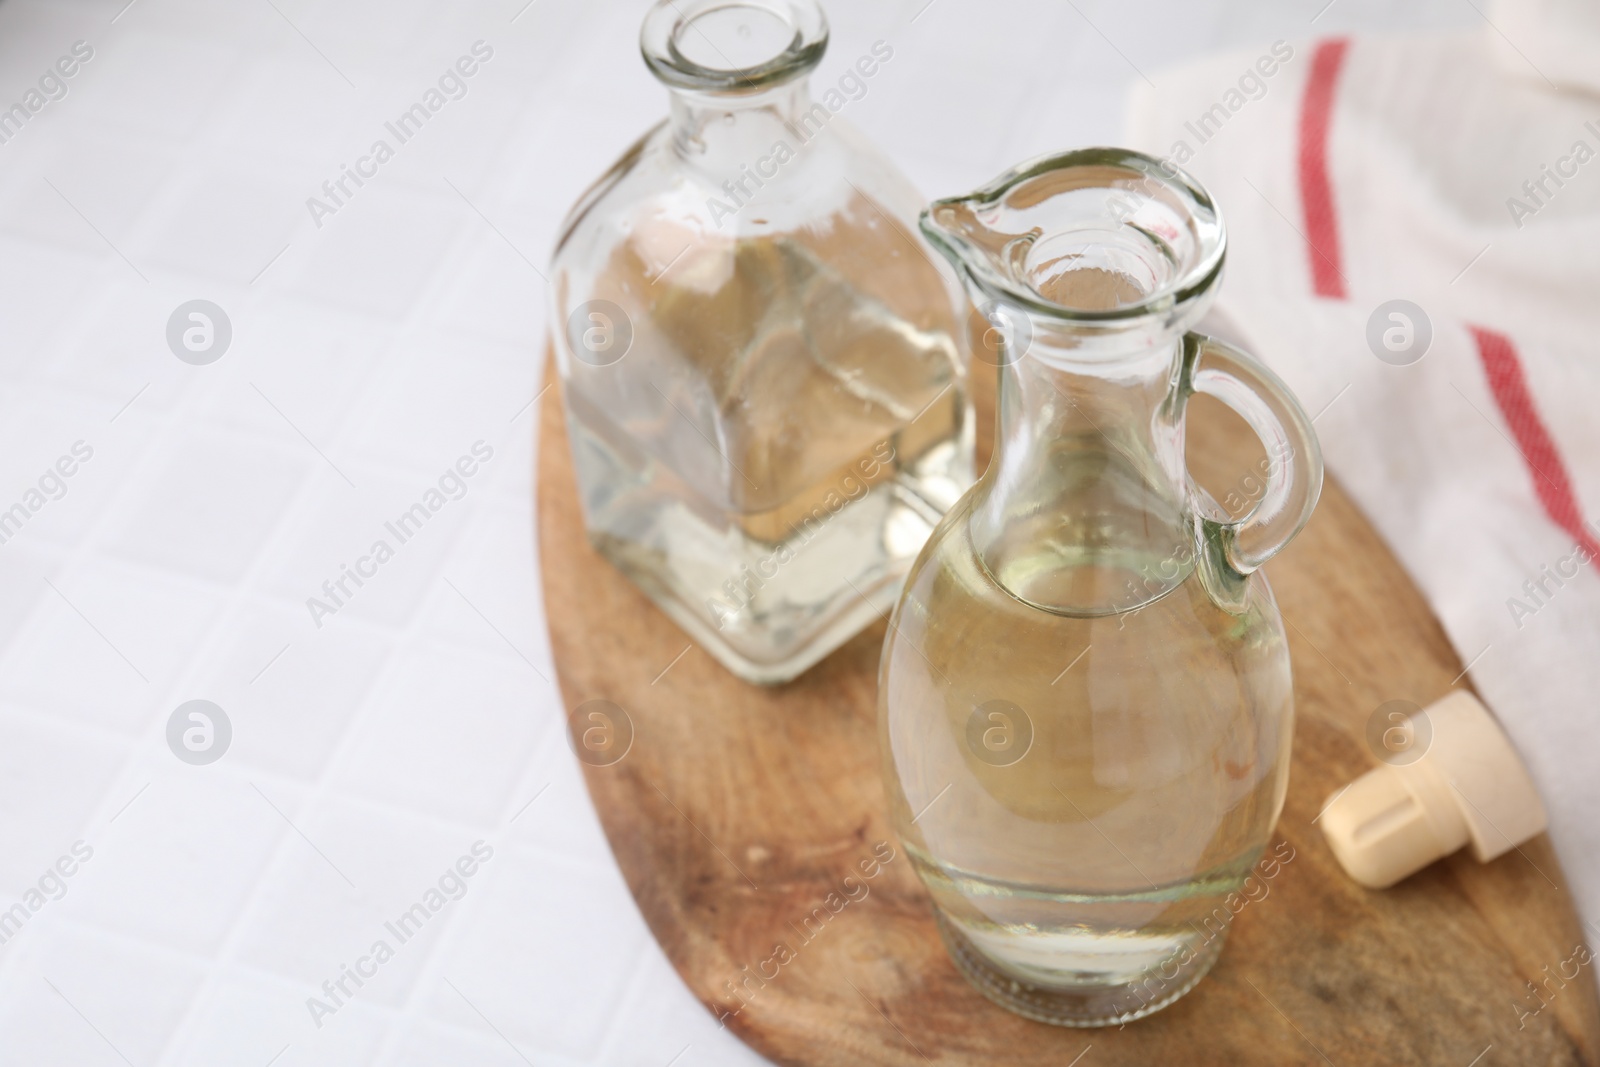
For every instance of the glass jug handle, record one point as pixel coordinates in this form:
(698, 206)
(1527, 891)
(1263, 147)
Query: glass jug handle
(1294, 478)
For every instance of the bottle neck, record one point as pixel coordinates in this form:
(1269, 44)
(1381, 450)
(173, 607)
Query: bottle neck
(732, 132)
(1085, 506)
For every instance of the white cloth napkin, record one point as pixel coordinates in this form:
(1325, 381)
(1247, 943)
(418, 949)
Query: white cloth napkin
(1460, 173)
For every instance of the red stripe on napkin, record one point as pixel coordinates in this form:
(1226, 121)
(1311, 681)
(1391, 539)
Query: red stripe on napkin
(1316, 191)
(1550, 480)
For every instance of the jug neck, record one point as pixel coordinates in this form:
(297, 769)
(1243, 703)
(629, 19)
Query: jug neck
(1085, 506)
(1094, 263)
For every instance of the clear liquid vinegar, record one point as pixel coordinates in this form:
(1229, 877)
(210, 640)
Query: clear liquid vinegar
(1081, 792)
(779, 451)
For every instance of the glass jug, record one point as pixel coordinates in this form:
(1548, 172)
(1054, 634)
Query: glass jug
(761, 361)
(1085, 706)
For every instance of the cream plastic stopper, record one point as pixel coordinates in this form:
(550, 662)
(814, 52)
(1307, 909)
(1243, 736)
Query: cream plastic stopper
(1469, 786)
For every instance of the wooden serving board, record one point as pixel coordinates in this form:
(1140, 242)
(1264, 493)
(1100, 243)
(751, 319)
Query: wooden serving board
(738, 811)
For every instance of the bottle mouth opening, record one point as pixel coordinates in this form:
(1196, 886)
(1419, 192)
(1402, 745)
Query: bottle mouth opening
(1097, 235)
(732, 45)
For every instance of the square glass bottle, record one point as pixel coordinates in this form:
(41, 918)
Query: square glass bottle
(763, 367)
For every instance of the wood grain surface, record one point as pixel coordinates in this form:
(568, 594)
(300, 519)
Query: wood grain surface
(737, 811)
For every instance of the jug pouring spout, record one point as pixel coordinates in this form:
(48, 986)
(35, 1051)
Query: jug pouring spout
(1097, 245)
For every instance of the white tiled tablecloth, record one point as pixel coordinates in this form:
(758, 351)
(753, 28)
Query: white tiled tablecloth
(368, 355)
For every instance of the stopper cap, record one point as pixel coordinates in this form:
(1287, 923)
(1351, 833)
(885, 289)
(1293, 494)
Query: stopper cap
(1469, 787)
